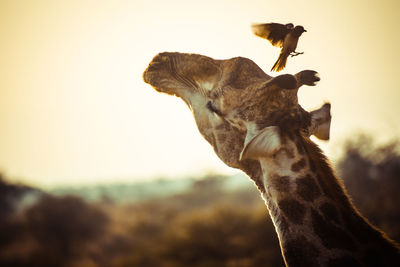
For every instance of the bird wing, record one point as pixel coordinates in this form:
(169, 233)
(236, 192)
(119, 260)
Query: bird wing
(273, 32)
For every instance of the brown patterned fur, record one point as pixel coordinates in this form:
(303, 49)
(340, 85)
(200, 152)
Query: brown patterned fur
(237, 107)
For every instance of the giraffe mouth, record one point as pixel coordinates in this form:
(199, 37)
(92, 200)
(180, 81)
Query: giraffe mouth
(155, 72)
(162, 75)
(182, 74)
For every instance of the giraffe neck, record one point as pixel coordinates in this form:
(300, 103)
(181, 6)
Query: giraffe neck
(316, 223)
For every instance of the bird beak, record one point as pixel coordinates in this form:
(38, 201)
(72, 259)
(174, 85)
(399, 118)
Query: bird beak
(305, 30)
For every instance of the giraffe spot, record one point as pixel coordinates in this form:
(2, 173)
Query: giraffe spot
(253, 170)
(372, 258)
(280, 183)
(300, 148)
(334, 189)
(384, 255)
(241, 114)
(331, 235)
(297, 166)
(293, 210)
(300, 252)
(313, 168)
(331, 186)
(345, 261)
(359, 228)
(221, 137)
(307, 188)
(324, 186)
(223, 126)
(330, 212)
(251, 117)
(289, 135)
(289, 153)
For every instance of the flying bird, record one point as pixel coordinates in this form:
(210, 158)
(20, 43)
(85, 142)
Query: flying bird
(284, 36)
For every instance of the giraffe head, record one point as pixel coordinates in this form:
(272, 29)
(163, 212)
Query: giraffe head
(236, 98)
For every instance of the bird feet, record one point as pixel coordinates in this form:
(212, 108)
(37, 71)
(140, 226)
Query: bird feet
(293, 54)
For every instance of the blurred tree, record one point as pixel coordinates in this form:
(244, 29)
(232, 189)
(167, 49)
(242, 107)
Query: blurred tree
(10, 197)
(371, 174)
(10, 194)
(64, 227)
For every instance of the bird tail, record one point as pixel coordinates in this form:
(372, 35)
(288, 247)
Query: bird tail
(280, 63)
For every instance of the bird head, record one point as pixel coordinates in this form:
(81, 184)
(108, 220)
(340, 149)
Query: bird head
(298, 30)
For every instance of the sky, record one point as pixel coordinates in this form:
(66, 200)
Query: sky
(74, 109)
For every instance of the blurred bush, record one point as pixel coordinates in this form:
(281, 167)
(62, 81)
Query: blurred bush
(52, 232)
(204, 227)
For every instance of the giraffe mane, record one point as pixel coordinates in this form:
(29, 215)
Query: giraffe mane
(332, 183)
(333, 186)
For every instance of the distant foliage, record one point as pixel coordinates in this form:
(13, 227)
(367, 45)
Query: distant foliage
(10, 196)
(53, 232)
(371, 174)
(204, 226)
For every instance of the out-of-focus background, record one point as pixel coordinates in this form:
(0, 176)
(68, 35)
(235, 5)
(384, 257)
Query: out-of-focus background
(213, 220)
(98, 169)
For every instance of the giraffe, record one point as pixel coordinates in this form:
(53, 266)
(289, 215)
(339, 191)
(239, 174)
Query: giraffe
(254, 123)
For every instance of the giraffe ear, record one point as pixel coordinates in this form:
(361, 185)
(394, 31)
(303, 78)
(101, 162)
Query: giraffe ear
(321, 122)
(265, 143)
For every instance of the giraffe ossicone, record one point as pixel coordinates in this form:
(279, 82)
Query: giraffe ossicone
(255, 123)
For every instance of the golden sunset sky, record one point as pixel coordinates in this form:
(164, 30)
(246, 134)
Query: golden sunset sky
(74, 109)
